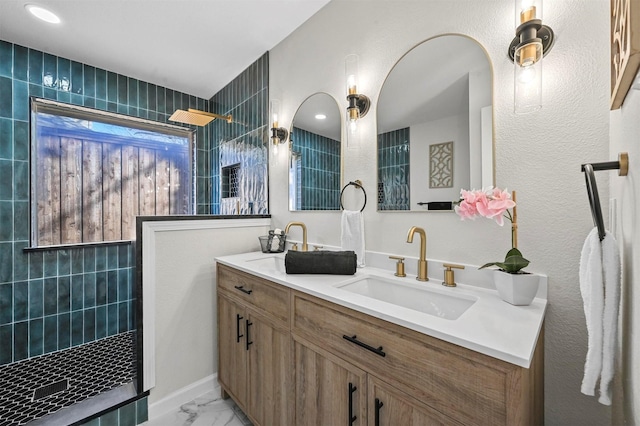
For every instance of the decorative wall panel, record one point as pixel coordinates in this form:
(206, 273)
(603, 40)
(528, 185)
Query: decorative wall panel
(441, 165)
(625, 48)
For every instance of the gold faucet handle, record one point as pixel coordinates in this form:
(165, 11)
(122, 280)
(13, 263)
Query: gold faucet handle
(399, 266)
(317, 248)
(294, 246)
(448, 274)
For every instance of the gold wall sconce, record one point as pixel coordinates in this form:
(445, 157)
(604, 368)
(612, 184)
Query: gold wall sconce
(533, 40)
(197, 117)
(279, 134)
(358, 104)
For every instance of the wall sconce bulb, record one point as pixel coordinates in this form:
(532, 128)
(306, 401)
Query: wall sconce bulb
(358, 103)
(279, 134)
(527, 75)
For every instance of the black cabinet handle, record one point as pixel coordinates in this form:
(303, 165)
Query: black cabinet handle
(242, 289)
(353, 339)
(238, 335)
(249, 342)
(352, 389)
(379, 405)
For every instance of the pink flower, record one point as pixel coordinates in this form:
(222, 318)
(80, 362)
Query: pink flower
(467, 209)
(491, 203)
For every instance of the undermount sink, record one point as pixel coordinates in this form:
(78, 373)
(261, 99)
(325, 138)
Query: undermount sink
(410, 295)
(271, 263)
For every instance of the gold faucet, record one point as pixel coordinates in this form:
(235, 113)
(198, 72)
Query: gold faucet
(422, 263)
(305, 247)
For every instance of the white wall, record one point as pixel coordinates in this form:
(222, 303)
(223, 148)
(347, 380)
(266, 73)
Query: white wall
(451, 129)
(478, 99)
(539, 155)
(625, 137)
(185, 301)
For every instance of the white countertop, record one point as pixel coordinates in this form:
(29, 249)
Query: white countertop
(490, 326)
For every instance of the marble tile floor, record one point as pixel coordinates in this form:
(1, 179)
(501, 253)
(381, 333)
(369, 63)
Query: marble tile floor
(206, 410)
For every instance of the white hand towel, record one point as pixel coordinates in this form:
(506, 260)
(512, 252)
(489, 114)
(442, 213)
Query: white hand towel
(600, 288)
(352, 227)
(612, 284)
(591, 287)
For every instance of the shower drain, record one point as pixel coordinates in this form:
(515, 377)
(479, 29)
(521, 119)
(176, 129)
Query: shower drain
(48, 390)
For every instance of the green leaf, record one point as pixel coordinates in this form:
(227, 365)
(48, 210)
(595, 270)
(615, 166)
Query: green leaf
(513, 252)
(489, 264)
(513, 262)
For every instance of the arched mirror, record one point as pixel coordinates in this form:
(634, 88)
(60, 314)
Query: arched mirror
(435, 126)
(315, 155)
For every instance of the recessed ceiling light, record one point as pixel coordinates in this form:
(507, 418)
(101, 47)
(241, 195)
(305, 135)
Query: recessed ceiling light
(43, 14)
(320, 116)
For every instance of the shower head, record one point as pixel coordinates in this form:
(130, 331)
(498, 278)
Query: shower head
(197, 117)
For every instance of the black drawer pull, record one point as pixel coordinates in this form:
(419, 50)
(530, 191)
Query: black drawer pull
(352, 389)
(238, 335)
(249, 342)
(353, 339)
(242, 289)
(379, 405)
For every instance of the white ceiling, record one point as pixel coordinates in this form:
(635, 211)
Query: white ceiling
(193, 46)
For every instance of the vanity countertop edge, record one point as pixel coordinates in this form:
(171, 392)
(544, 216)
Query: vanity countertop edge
(491, 326)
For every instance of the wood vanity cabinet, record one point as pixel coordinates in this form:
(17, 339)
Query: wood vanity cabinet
(420, 380)
(331, 365)
(254, 341)
(328, 390)
(332, 391)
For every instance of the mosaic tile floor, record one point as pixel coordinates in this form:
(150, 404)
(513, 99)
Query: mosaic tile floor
(207, 410)
(36, 387)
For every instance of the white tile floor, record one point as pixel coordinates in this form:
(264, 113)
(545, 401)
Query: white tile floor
(206, 410)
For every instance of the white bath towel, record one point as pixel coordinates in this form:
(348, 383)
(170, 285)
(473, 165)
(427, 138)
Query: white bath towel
(353, 233)
(600, 289)
(612, 290)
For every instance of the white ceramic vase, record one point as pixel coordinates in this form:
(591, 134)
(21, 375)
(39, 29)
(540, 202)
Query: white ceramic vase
(517, 289)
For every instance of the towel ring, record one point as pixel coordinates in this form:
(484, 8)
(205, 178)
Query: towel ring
(622, 165)
(357, 184)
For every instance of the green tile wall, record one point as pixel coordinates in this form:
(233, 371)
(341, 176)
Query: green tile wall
(246, 98)
(55, 299)
(393, 170)
(320, 170)
(131, 414)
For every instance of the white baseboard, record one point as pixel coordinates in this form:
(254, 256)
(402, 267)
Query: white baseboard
(173, 402)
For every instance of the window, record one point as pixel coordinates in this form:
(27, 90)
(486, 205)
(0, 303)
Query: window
(92, 173)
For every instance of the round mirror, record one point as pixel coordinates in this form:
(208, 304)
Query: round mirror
(315, 155)
(435, 126)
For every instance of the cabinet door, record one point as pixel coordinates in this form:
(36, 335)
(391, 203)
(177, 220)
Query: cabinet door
(391, 407)
(328, 390)
(270, 372)
(232, 361)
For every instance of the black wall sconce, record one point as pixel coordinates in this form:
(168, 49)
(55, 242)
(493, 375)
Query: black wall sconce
(358, 103)
(278, 134)
(533, 40)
